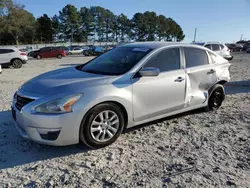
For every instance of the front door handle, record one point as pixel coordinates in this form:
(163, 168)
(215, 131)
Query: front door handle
(211, 71)
(179, 79)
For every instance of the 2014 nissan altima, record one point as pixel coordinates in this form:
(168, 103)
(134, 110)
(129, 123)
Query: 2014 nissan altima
(127, 86)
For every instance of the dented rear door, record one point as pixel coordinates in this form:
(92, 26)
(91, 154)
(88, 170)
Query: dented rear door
(200, 76)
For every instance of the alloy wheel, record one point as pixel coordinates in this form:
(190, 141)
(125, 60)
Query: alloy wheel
(104, 126)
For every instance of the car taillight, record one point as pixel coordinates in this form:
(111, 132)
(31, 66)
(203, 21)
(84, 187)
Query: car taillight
(23, 53)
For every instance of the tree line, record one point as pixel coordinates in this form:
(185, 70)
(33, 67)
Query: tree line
(18, 26)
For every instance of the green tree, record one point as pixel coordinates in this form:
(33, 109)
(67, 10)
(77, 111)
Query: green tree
(44, 29)
(124, 26)
(87, 22)
(70, 20)
(15, 20)
(174, 32)
(162, 27)
(150, 21)
(138, 27)
(56, 27)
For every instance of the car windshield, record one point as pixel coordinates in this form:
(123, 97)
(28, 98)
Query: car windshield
(116, 62)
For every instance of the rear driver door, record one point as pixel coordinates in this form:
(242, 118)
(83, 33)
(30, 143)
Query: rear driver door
(200, 75)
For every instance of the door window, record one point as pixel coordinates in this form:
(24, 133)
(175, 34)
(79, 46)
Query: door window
(165, 60)
(6, 51)
(195, 57)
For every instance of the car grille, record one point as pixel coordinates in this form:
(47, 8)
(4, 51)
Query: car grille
(22, 101)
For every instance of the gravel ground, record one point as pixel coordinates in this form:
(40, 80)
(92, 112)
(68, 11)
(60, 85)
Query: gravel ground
(194, 149)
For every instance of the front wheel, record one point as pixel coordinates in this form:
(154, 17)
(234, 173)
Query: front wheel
(39, 57)
(216, 98)
(102, 126)
(59, 56)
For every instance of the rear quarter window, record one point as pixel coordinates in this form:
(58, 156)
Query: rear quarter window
(216, 58)
(221, 47)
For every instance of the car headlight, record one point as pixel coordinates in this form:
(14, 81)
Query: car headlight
(62, 105)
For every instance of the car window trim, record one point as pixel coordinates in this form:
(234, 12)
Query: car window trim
(185, 65)
(154, 52)
(166, 49)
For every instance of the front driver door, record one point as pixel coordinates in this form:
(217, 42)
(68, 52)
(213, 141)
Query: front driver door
(155, 96)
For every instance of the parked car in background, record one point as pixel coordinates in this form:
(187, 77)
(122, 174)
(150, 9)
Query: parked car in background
(76, 50)
(34, 52)
(64, 48)
(49, 53)
(246, 46)
(220, 49)
(127, 86)
(198, 43)
(235, 47)
(13, 57)
(73, 46)
(94, 51)
(248, 50)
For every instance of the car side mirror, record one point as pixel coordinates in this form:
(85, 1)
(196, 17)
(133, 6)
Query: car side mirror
(149, 71)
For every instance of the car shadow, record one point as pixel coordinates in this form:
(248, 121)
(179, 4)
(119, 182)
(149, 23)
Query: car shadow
(15, 151)
(237, 87)
(196, 111)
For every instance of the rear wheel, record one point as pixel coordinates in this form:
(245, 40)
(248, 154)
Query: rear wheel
(102, 126)
(216, 98)
(59, 56)
(16, 63)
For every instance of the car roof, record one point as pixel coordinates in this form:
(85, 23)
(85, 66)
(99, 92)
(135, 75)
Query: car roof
(157, 45)
(9, 48)
(215, 42)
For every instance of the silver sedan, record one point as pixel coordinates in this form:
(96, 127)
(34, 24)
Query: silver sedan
(127, 86)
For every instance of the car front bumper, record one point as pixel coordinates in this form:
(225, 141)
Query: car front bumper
(56, 130)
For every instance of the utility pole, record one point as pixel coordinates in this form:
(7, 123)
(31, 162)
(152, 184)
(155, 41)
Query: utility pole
(195, 34)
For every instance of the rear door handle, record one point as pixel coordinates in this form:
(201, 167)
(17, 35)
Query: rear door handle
(179, 79)
(211, 71)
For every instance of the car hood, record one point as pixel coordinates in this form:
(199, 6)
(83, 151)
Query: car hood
(63, 80)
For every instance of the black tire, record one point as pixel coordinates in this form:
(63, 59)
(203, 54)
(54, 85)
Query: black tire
(69, 53)
(216, 97)
(24, 62)
(39, 57)
(86, 53)
(16, 63)
(59, 56)
(85, 129)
